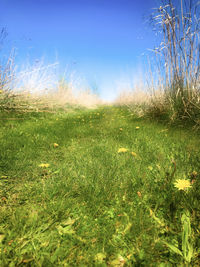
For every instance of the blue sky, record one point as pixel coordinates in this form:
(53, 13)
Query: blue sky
(102, 40)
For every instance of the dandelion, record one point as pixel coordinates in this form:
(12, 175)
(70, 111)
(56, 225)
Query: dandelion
(134, 154)
(55, 145)
(137, 127)
(122, 150)
(182, 184)
(44, 165)
(120, 129)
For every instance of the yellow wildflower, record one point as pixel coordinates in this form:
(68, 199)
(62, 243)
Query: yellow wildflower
(55, 145)
(182, 184)
(134, 154)
(122, 150)
(44, 165)
(1, 91)
(120, 129)
(137, 127)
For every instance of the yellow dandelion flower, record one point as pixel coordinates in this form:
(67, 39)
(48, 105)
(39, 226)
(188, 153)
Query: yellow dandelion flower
(44, 165)
(120, 129)
(55, 145)
(182, 184)
(134, 154)
(137, 127)
(122, 150)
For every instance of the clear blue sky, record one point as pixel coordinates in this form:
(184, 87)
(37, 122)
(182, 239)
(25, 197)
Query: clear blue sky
(106, 38)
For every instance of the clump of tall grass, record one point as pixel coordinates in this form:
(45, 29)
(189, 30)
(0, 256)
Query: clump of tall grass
(171, 89)
(134, 97)
(7, 97)
(72, 92)
(37, 88)
(177, 60)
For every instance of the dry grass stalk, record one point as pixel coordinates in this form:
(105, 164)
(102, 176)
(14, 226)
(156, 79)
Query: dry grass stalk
(177, 58)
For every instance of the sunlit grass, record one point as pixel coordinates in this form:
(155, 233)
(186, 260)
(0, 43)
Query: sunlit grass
(69, 198)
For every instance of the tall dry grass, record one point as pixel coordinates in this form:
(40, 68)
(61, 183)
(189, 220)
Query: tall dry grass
(177, 59)
(132, 94)
(37, 87)
(172, 85)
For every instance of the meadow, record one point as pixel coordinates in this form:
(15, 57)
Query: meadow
(89, 183)
(98, 187)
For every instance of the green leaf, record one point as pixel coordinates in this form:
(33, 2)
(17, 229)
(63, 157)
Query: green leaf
(187, 248)
(69, 221)
(173, 248)
(65, 230)
(190, 253)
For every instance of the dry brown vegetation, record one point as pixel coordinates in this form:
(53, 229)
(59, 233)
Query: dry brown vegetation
(171, 90)
(174, 79)
(38, 89)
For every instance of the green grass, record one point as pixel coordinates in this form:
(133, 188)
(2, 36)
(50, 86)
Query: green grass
(94, 206)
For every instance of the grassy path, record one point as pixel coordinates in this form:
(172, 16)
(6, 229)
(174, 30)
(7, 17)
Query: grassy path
(68, 198)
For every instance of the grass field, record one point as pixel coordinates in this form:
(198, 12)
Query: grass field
(96, 188)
